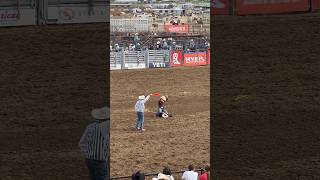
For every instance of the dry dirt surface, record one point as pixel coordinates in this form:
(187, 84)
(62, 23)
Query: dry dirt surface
(265, 104)
(175, 142)
(50, 79)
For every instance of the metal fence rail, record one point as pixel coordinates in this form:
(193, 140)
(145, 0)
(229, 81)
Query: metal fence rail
(137, 59)
(158, 59)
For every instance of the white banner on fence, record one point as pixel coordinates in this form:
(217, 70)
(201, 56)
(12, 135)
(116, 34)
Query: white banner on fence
(134, 66)
(17, 17)
(77, 14)
(115, 67)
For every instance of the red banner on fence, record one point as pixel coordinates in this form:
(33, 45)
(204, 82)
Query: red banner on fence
(315, 5)
(208, 56)
(176, 28)
(175, 58)
(220, 7)
(245, 7)
(195, 59)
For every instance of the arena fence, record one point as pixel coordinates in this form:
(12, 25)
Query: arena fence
(37, 12)
(157, 59)
(152, 174)
(255, 7)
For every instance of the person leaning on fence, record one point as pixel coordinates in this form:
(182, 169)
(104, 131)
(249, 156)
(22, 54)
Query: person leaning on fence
(139, 108)
(138, 176)
(94, 144)
(167, 171)
(190, 174)
(205, 175)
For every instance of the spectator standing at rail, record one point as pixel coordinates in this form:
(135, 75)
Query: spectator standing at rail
(158, 45)
(94, 144)
(117, 47)
(165, 45)
(190, 174)
(139, 108)
(138, 47)
(136, 39)
(205, 175)
(167, 171)
(138, 176)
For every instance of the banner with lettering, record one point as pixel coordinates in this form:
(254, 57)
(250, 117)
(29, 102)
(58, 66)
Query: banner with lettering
(176, 28)
(175, 58)
(195, 59)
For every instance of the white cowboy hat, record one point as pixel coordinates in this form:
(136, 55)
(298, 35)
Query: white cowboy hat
(142, 97)
(101, 113)
(163, 98)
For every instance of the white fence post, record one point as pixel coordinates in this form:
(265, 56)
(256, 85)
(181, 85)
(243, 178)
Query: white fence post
(122, 59)
(147, 58)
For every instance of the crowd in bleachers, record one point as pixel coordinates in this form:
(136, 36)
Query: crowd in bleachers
(160, 43)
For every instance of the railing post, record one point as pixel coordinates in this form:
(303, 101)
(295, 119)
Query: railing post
(122, 57)
(147, 58)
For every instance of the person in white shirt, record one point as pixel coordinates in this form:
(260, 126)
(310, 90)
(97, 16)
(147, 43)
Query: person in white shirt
(190, 174)
(139, 108)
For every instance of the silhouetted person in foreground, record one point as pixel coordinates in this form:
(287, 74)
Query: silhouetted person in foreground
(94, 144)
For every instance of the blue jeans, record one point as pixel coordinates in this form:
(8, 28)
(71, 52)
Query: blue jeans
(98, 170)
(160, 111)
(140, 120)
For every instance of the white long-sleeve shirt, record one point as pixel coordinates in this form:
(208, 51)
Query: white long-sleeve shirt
(139, 107)
(94, 141)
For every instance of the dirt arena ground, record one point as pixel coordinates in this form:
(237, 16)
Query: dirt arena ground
(51, 77)
(265, 104)
(175, 142)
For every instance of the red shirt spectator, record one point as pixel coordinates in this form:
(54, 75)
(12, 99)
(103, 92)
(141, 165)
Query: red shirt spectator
(204, 176)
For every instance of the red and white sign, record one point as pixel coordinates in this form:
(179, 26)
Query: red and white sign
(195, 59)
(175, 58)
(208, 56)
(176, 28)
(245, 7)
(315, 5)
(220, 7)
